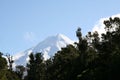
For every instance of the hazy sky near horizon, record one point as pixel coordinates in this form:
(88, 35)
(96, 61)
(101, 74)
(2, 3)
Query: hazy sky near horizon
(24, 23)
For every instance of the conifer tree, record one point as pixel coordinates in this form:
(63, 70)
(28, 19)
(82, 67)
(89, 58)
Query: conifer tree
(36, 67)
(31, 68)
(39, 67)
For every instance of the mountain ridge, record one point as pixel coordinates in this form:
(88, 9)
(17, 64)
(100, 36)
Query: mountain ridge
(47, 47)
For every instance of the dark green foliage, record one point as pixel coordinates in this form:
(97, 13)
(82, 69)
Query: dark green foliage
(3, 66)
(109, 50)
(11, 75)
(62, 64)
(40, 67)
(31, 68)
(8, 75)
(20, 71)
(3, 62)
(36, 67)
(94, 58)
(5, 73)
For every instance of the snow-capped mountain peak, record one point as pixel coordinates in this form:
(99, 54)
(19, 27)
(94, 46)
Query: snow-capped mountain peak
(47, 47)
(62, 37)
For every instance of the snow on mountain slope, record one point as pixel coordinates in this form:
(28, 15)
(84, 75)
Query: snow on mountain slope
(48, 47)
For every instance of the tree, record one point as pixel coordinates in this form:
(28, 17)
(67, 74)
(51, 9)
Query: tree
(40, 67)
(20, 71)
(5, 73)
(3, 66)
(35, 66)
(31, 68)
(61, 67)
(3, 62)
(10, 61)
(108, 51)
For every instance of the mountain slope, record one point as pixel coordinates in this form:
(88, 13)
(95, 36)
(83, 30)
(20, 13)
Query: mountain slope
(48, 47)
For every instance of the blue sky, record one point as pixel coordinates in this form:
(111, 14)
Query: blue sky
(24, 23)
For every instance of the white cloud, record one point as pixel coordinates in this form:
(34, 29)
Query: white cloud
(30, 37)
(99, 26)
